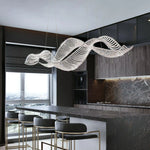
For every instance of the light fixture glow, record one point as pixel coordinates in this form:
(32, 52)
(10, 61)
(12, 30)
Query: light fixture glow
(148, 20)
(73, 52)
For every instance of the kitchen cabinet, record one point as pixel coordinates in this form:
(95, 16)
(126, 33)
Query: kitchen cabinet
(134, 63)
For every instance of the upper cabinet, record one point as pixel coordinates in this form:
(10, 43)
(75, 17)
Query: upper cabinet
(134, 31)
(82, 36)
(94, 34)
(143, 28)
(127, 33)
(110, 31)
(134, 63)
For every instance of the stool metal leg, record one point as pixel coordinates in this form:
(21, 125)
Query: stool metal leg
(55, 141)
(62, 141)
(6, 134)
(51, 141)
(26, 138)
(71, 144)
(19, 134)
(67, 145)
(33, 138)
(37, 139)
(99, 140)
(23, 135)
(74, 145)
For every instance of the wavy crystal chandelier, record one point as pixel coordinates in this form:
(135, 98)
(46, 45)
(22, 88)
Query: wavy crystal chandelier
(73, 52)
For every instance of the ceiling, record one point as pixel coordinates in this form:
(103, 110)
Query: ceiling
(70, 17)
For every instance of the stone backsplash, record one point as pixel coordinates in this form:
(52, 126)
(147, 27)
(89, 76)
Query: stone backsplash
(132, 91)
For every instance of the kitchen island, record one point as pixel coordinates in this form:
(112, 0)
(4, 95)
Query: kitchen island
(120, 130)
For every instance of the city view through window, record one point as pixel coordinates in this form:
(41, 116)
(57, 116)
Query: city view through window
(29, 86)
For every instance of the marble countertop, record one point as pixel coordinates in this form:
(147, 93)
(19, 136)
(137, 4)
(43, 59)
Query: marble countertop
(92, 114)
(120, 105)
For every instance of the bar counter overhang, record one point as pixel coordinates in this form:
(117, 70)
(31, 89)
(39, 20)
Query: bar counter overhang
(91, 114)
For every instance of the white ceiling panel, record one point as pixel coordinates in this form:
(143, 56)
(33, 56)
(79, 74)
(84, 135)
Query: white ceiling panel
(68, 17)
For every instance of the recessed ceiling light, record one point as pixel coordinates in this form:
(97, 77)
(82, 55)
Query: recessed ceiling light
(148, 20)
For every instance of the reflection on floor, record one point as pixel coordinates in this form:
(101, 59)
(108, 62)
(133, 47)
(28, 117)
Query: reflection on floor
(46, 147)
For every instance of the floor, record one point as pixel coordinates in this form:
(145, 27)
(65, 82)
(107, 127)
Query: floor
(30, 143)
(2, 148)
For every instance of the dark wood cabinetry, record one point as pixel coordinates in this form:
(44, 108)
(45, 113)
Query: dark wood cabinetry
(134, 63)
(127, 33)
(96, 89)
(110, 31)
(80, 87)
(143, 28)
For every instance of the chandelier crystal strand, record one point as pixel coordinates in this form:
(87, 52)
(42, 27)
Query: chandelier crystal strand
(73, 52)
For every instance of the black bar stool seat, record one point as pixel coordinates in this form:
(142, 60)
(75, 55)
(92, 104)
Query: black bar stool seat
(77, 136)
(14, 121)
(26, 120)
(28, 125)
(44, 130)
(12, 115)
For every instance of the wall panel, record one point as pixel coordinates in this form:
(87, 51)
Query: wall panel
(2, 88)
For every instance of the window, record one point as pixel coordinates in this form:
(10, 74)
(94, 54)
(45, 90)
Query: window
(36, 86)
(13, 87)
(27, 89)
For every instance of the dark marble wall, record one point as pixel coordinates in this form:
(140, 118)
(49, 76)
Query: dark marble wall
(133, 91)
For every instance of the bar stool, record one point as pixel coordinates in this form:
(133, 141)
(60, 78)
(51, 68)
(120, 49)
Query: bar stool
(48, 126)
(12, 118)
(27, 122)
(44, 126)
(74, 131)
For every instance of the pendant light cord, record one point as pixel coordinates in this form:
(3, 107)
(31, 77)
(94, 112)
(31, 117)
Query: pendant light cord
(46, 33)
